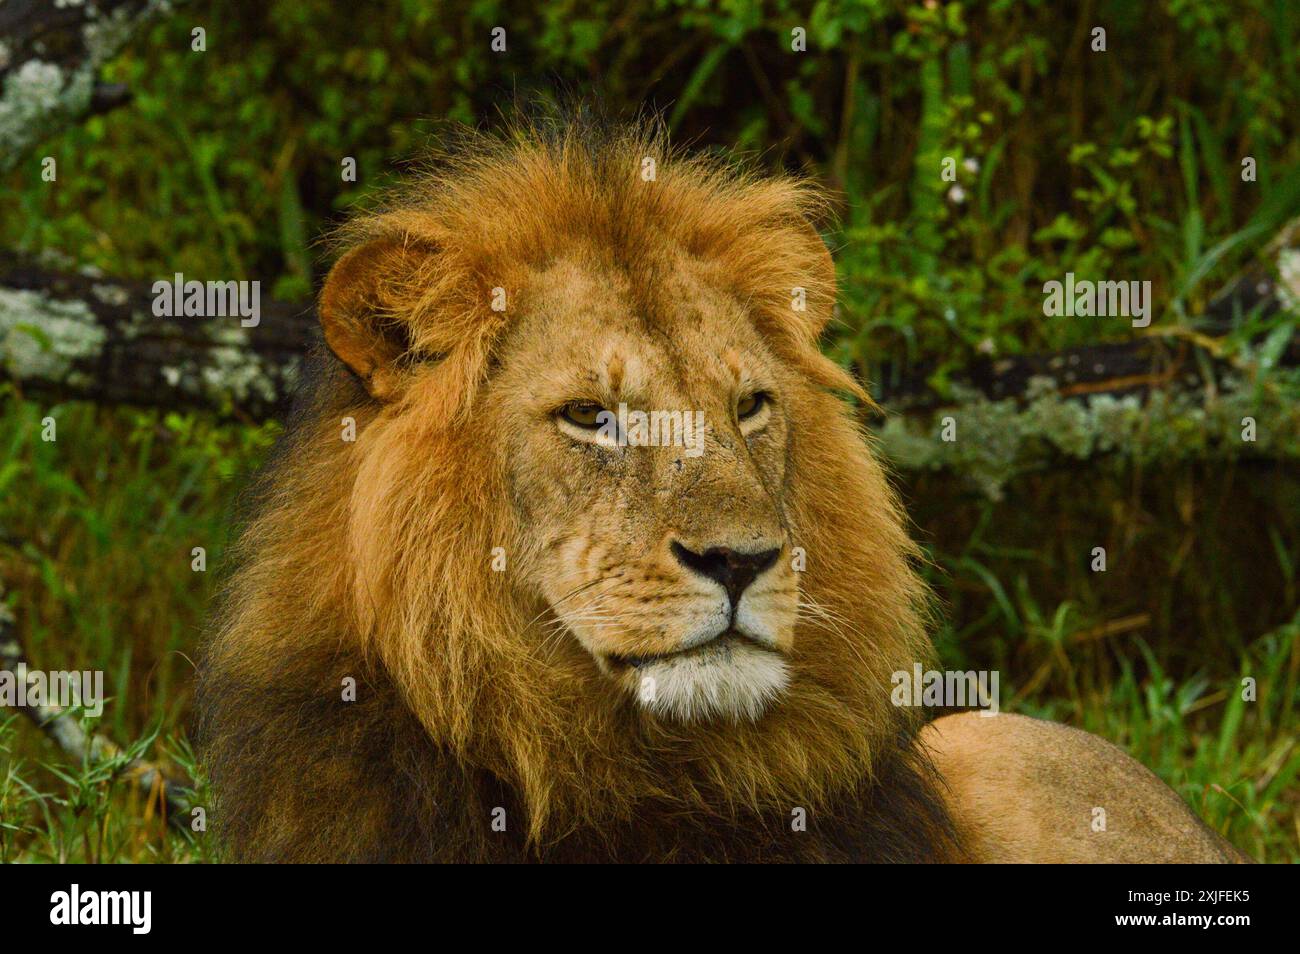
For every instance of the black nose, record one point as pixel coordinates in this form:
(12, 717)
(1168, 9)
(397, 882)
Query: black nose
(732, 569)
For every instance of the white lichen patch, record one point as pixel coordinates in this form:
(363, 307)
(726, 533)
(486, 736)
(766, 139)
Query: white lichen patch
(41, 338)
(39, 96)
(231, 371)
(104, 37)
(227, 332)
(111, 294)
(33, 90)
(35, 99)
(237, 374)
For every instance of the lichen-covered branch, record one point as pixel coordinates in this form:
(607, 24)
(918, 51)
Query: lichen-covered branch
(989, 442)
(66, 730)
(1154, 363)
(50, 54)
(1158, 398)
(74, 334)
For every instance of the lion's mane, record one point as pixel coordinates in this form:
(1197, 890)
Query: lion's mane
(368, 561)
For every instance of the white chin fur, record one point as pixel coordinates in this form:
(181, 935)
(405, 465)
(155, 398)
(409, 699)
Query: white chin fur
(736, 681)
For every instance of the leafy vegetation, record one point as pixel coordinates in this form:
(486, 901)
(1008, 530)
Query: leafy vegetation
(1122, 164)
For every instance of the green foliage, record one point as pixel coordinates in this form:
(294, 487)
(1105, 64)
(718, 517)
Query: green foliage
(94, 525)
(1123, 164)
(89, 811)
(96, 533)
(1152, 652)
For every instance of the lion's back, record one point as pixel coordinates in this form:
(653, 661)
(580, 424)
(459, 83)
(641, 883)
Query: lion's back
(1025, 790)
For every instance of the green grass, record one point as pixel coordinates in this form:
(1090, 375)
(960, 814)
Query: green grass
(1235, 762)
(96, 532)
(56, 810)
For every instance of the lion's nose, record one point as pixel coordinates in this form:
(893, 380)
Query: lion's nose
(733, 569)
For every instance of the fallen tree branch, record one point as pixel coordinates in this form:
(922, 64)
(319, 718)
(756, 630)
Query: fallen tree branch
(76, 335)
(66, 731)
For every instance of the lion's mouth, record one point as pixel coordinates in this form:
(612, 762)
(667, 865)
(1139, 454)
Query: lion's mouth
(731, 676)
(720, 647)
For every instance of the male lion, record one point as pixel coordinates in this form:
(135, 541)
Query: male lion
(475, 618)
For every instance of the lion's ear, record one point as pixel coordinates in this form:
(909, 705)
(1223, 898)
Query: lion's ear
(823, 272)
(358, 314)
(816, 263)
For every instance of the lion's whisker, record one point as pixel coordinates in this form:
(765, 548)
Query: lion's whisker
(576, 591)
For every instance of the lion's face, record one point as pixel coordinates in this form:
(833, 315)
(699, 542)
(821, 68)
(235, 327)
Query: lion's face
(646, 441)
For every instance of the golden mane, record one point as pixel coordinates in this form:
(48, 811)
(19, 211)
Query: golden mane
(369, 559)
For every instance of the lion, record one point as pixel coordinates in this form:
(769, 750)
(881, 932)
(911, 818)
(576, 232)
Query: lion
(574, 550)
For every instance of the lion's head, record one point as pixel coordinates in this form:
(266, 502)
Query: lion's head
(604, 522)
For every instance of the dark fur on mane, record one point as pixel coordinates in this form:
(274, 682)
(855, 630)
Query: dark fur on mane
(309, 768)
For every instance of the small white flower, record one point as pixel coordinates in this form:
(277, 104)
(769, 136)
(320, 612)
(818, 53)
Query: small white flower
(957, 194)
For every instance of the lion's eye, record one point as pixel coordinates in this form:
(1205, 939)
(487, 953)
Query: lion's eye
(583, 414)
(751, 405)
